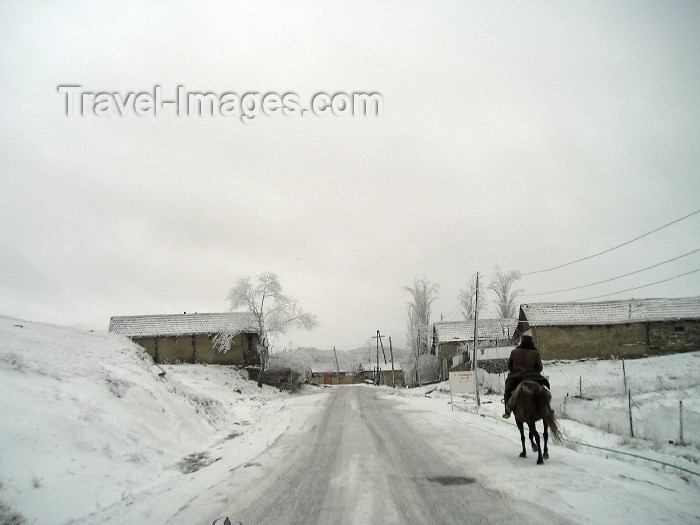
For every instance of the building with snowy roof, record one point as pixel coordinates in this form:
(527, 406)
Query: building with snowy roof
(189, 338)
(386, 374)
(621, 328)
(453, 341)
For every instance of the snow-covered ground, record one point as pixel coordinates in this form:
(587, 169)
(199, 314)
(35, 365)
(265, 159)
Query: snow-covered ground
(91, 429)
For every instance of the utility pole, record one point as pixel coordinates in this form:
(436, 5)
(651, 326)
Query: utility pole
(476, 339)
(383, 351)
(376, 374)
(336, 364)
(418, 360)
(393, 377)
(379, 337)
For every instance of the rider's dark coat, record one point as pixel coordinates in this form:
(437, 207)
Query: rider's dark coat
(524, 364)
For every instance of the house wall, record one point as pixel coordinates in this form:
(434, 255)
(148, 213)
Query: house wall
(674, 336)
(599, 341)
(200, 349)
(333, 379)
(206, 353)
(620, 340)
(148, 344)
(175, 349)
(352, 379)
(347, 379)
(385, 378)
(446, 350)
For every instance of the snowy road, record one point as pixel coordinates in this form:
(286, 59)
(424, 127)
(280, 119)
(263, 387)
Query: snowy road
(360, 464)
(374, 455)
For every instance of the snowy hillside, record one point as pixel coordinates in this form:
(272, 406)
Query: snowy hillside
(88, 419)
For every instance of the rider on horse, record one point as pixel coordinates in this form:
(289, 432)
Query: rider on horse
(524, 364)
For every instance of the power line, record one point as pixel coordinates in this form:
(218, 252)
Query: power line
(612, 278)
(639, 287)
(454, 311)
(614, 247)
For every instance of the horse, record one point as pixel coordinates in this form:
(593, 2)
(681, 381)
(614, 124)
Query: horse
(530, 403)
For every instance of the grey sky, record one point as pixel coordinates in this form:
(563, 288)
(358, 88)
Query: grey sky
(520, 134)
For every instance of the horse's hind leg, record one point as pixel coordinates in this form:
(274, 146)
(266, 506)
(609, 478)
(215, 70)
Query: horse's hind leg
(523, 454)
(532, 441)
(545, 435)
(540, 461)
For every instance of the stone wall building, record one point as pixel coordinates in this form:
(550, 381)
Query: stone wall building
(188, 338)
(626, 328)
(452, 339)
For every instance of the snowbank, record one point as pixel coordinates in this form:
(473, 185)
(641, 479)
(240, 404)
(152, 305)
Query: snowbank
(89, 420)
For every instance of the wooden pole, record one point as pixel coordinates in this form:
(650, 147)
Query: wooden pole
(391, 354)
(376, 377)
(336, 364)
(629, 401)
(379, 337)
(476, 339)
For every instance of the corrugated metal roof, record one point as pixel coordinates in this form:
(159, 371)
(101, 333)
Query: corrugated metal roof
(611, 312)
(182, 324)
(450, 331)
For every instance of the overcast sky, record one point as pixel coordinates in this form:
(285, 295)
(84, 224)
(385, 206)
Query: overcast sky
(520, 134)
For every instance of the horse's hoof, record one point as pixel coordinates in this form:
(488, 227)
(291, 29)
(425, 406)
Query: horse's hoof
(523, 455)
(534, 448)
(540, 461)
(546, 456)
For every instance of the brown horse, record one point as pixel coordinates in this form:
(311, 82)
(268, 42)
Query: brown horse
(530, 403)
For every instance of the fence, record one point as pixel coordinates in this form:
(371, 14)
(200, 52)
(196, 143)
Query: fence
(643, 416)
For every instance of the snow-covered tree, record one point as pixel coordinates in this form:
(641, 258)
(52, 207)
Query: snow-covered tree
(425, 369)
(467, 299)
(273, 311)
(423, 294)
(502, 286)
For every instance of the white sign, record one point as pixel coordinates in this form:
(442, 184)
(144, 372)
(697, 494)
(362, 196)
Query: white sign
(462, 382)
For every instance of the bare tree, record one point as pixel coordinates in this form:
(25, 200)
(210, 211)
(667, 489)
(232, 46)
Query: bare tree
(467, 299)
(502, 286)
(273, 311)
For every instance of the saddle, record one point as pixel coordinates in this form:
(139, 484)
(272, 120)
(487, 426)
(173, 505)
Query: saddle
(529, 387)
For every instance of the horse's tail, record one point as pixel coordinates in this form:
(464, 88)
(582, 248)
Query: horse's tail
(542, 398)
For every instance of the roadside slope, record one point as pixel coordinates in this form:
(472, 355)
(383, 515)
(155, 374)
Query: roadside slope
(89, 420)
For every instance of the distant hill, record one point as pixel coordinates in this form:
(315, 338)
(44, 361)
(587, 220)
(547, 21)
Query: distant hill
(324, 360)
